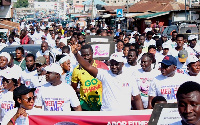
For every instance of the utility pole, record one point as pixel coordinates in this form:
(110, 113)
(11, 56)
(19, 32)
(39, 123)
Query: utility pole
(92, 16)
(185, 10)
(190, 13)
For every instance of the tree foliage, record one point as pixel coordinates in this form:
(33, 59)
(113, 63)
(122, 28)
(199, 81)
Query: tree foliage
(21, 3)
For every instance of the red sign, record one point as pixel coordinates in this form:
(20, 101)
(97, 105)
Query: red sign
(88, 119)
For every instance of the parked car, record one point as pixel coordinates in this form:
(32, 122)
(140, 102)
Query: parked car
(29, 48)
(181, 27)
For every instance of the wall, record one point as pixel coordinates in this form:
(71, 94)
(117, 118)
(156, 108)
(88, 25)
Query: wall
(5, 12)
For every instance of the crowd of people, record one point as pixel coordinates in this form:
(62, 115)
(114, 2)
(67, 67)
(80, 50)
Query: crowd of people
(145, 69)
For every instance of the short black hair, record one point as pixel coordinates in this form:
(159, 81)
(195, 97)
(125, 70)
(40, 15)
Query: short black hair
(180, 35)
(21, 49)
(66, 48)
(188, 87)
(30, 55)
(174, 31)
(151, 56)
(134, 50)
(87, 46)
(151, 46)
(156, 99)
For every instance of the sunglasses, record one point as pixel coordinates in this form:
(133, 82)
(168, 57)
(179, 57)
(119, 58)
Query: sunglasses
(29, 99)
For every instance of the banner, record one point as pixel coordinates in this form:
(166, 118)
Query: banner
(136, 117)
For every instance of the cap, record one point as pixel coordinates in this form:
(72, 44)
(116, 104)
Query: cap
(63, 40)
(117, 57)
(165, 45)
(21, 90)
(192, 37)
(51, 28)
(169, 60)
(54, 68)
(182, 55)
(40, 60)
(63, 59)
(43, 36)
(164, 35)
(7, 55)
(87, 31)
(191, 59)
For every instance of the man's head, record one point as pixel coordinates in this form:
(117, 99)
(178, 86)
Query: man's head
(165, 47)
(174, 34)
(4, 60)
(193, 65)
(188, 99)
(152, 49)
(65, 49)
(180, 40)
(53, 73)
(87, 52)
(141, 40)
(168, 66)
(44, 46)
(30, 62)
(126, 49)
(164, 37)
(65, 63)
(149, 35)
(192, 40)
(116, 63)
(132, 56)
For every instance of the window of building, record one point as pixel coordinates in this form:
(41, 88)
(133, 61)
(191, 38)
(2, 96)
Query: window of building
(77, 1)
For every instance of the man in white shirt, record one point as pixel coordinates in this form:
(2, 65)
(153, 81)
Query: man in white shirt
(167, 83)
(188, 98)
(56, 95)
(192, 41)
(118, 86)
(44, 47)
(149, 41)
(29, 75)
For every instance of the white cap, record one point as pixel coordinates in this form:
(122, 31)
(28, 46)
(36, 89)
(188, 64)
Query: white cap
(63, 40)
(191, 37)
(87, 31)
(63, 59)
(191, 59)
(117, 57)
(165, 45)
(7, 55)
(10, 75)
(54, 68)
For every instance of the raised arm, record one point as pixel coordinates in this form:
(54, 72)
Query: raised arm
(86, 65)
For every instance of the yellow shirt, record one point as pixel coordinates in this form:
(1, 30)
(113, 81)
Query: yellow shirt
(90, 87)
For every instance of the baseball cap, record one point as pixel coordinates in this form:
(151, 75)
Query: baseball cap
(191, 59)
(182, 55)
(22, 90)
(51, 28)
(117, 57)
(40, 60)
(165, 45)
(164, 35)
(7, 55)
(192, 37)
(54, 68)
(169, 60)
(43, 36)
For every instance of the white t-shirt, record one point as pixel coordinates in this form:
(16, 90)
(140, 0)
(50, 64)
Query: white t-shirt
(30, 79)
(117, 90)
(39, 53)
(57, 98)
(144, 79)
(22, 120)
(7, 102)
(131, 69)
(167, 86)
(18, 69)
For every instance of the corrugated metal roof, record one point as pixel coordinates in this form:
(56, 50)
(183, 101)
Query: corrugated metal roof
(156, 6)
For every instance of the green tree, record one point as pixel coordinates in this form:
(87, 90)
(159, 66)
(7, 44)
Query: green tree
(21, 3)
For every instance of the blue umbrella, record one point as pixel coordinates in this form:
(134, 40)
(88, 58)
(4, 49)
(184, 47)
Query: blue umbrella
(89, 2)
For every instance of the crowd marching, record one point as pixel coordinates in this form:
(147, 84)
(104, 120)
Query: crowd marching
(146, 68)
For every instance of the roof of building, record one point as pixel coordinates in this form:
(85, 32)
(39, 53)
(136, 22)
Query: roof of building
(156, 6)
(113, 8)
